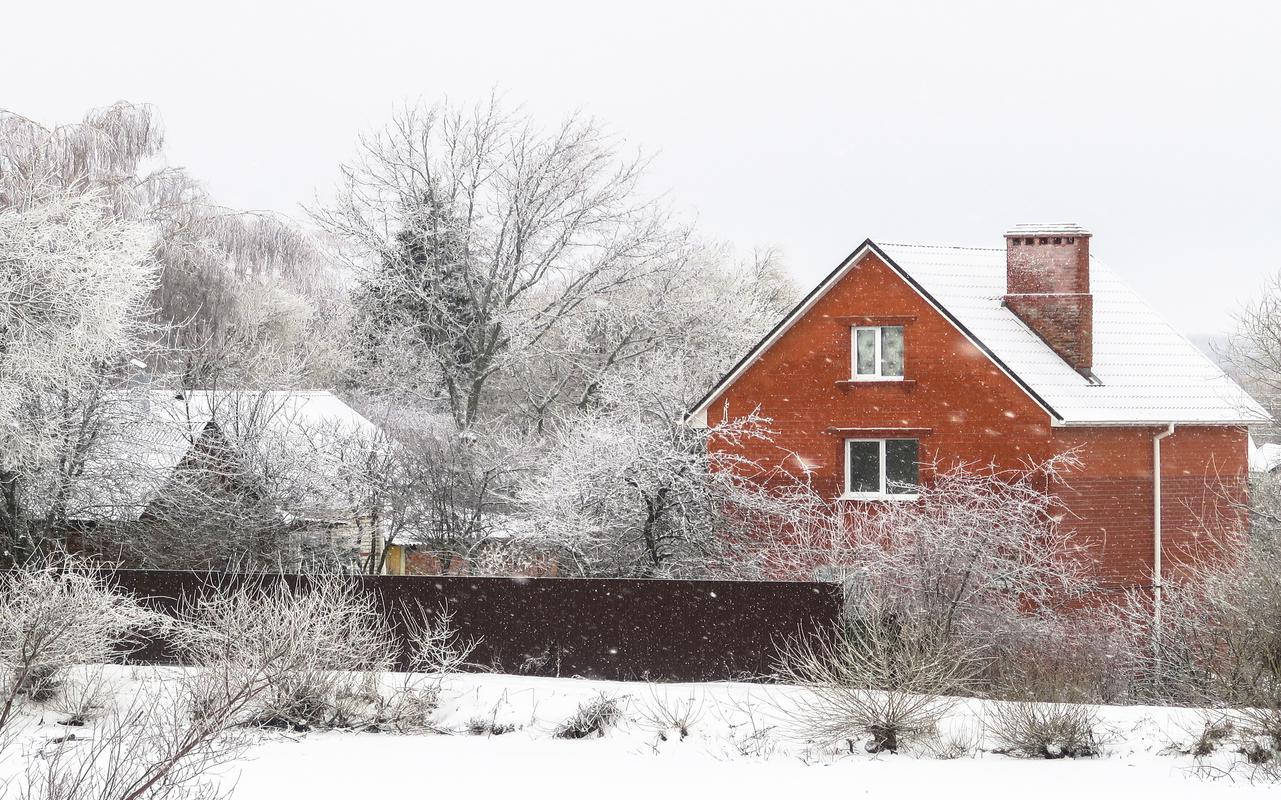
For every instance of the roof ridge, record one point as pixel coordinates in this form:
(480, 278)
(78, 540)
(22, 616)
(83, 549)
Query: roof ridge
(942, 246)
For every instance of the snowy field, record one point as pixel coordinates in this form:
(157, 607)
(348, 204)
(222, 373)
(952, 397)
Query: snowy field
(738, 745)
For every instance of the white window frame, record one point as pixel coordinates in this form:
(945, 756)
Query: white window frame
(882, 493)
(875, 376)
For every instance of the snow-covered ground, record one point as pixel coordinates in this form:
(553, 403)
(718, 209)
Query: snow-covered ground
(738, 745)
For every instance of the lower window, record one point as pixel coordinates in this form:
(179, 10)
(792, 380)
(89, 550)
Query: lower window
(881, 467)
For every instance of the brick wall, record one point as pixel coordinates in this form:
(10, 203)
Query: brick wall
(1048, 287)
(1064, 321)
(975, 413)
(1059, 265)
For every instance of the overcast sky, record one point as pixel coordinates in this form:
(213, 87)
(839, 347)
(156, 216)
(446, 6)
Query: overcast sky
(806, 127)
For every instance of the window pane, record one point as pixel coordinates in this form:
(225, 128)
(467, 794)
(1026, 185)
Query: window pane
(892, 351)
(901, 471)
(864, 467)
(865, 345)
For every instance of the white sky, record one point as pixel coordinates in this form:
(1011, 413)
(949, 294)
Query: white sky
(804, 126)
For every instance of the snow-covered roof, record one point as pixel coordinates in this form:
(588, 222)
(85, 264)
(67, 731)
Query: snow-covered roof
(1264, 457)
(1043, 228)
(146, 434)
(1147, 372)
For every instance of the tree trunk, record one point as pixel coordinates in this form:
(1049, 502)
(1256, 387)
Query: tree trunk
(16, 541)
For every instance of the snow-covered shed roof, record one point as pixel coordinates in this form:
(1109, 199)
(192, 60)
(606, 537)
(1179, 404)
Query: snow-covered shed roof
(145, 434)
(1147, 372)
(1264, 457)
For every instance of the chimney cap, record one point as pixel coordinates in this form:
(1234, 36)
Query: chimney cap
(1047, 229)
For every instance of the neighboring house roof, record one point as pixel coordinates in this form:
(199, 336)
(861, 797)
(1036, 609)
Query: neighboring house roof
(1148, 373)
(1264, 457)
(147, 433)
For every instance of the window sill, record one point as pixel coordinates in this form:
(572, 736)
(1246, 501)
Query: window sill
(877, 496)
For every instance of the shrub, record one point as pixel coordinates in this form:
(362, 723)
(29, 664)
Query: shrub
(313, 647)
(1219, 641)
(1060, 657)
(42, 682)
(887, 678)
(158, 746)
(1262, 723)
(1045, 730)
(323, 650)
(55, 613)
(960, 743)
(82, 698)
(592, 717)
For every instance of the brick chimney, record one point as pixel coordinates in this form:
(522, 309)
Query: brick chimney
(1047, 285)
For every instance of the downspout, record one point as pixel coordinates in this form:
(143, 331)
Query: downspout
(1158, 585)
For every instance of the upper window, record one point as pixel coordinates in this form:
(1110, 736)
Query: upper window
(881, 468)
(878, 352)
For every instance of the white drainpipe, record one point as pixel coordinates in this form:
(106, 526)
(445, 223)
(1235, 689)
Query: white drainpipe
(1158, 584)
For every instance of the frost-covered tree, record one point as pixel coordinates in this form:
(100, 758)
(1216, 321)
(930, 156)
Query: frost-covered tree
(419, 485)
(73, 283)
(228, 297)
(243, 295)
(476, 234)
(1253, 352)
(618, 483)
(661, 323)
(636, 495)
(248, 297)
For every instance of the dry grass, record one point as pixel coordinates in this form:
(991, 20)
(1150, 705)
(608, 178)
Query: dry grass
(592, 718)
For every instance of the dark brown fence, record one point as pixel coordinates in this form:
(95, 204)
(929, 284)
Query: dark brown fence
(670, 630)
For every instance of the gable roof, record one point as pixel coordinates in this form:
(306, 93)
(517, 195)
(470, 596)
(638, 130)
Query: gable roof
(1147, 372)
(147, 433)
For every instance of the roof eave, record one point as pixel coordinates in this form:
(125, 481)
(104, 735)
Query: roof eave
(1160, 423)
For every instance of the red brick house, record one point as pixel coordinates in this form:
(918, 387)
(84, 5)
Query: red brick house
(909, 354)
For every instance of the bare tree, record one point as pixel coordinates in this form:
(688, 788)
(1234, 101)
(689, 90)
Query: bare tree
(248, 298)
(103, 153)
(1254, 351)
(419, 484)
(654, 335)
(476, 234)
(609, 476)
